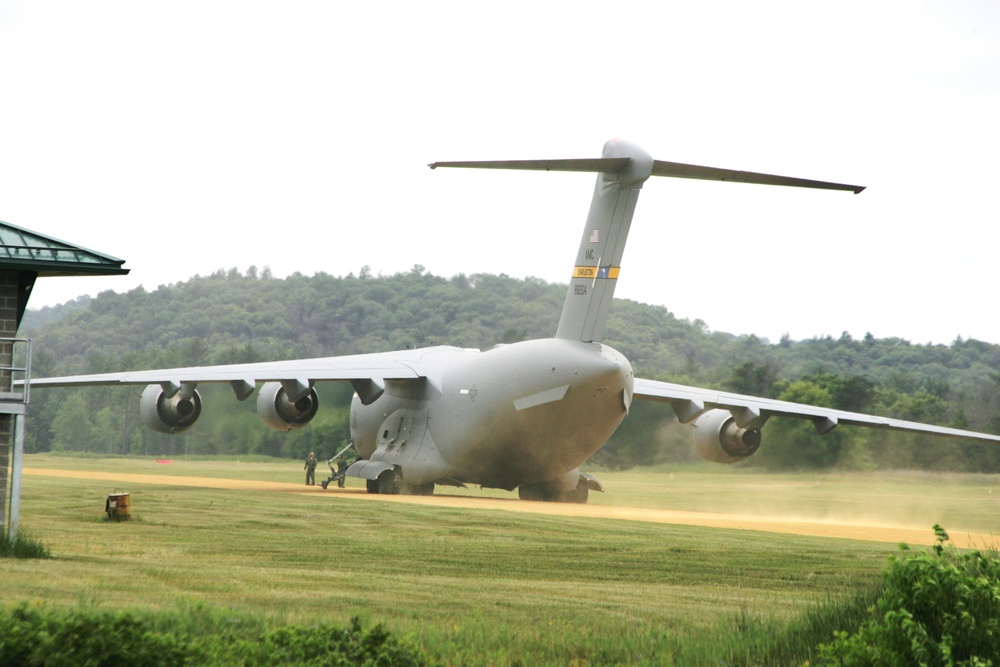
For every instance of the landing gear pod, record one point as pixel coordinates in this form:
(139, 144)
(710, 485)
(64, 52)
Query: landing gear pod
(717, 438)
(281, 413)
(169, 415)
(573, 487)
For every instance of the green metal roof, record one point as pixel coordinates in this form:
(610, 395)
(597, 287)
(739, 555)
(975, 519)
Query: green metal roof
(23, 249)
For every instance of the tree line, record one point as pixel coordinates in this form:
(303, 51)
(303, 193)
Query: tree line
(237, 317)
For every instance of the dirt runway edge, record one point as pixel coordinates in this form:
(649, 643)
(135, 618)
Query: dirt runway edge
(771, 524)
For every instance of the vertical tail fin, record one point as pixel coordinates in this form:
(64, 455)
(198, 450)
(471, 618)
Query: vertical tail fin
(621, 171)
(598, 261)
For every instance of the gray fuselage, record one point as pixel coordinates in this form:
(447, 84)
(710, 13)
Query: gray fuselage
(515, 414)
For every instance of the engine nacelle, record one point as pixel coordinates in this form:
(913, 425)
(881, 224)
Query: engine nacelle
(168, 415)
(282, 414)
(717, 438)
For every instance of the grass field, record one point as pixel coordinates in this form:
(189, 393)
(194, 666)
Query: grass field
(471, 585)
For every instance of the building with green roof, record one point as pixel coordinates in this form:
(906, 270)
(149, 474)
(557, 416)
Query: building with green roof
(26, 256)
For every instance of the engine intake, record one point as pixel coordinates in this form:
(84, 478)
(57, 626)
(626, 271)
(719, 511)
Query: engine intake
(168, 415)
(281, 413)
(717, 438)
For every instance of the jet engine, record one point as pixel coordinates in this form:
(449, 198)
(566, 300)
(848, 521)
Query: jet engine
(281, 413)
(169, 415)
(717, 438)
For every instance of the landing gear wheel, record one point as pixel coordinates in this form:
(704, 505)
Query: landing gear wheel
(372, 485)
(579, 495)
(387, 482)
(545, 492)
(531, 492)
(418, 489)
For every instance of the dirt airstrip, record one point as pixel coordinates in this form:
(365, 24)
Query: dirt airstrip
(787, 525)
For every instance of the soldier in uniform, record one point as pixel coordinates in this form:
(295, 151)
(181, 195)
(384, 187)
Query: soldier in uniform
(310, 469)
(341, 464)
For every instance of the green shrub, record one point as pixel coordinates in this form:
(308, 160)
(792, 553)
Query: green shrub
(36, 636)
(938, 608)
(33, 637)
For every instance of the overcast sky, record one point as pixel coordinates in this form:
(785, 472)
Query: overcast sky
(185, 137)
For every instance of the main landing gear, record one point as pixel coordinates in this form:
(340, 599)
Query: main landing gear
(550, 492)
(390, 482)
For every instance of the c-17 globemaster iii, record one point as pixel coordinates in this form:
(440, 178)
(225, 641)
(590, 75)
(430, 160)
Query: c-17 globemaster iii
(521, 416)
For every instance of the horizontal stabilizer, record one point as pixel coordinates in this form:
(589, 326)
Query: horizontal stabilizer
(679, 170)
(601, 164)
(614, 165)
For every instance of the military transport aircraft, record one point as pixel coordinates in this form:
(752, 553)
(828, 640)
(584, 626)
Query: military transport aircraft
(522, 416)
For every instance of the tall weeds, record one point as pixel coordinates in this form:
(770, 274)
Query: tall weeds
(22, 546)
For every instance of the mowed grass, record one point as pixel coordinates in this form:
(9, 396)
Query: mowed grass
(960, 502)
(470, 586)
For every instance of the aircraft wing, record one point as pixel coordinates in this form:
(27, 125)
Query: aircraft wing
(751, 412)
(379, 366)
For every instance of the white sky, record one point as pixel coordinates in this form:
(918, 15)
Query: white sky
(185, 137)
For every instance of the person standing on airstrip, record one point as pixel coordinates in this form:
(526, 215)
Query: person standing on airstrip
(341, 464)
(310, 469)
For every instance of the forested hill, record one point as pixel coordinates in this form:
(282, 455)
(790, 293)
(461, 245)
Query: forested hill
(232, 317)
